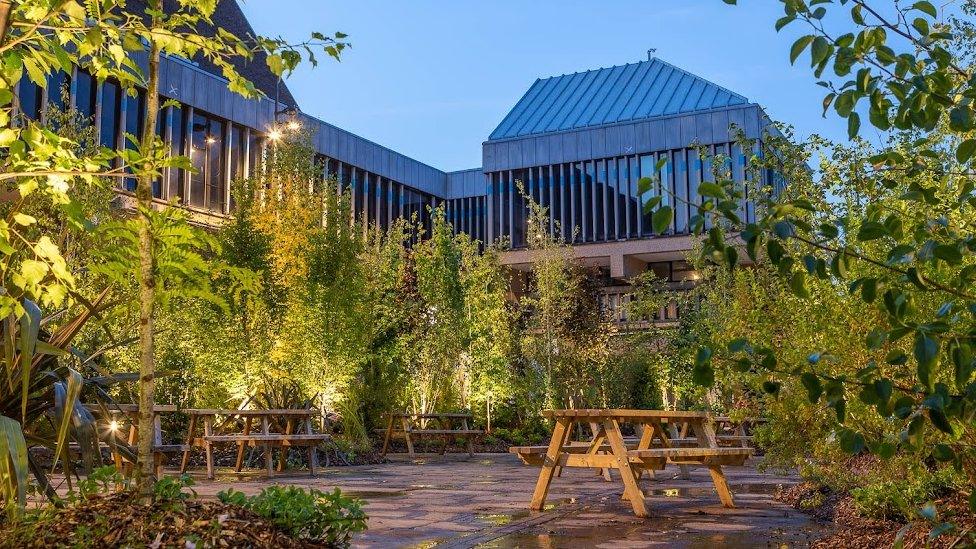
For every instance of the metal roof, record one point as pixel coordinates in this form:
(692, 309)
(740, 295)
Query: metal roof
(616, 94)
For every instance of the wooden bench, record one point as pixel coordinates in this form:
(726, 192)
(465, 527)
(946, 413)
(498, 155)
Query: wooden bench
(130, 415)
(651, 458)
(607, 449)
(298, 432)
(445, 425)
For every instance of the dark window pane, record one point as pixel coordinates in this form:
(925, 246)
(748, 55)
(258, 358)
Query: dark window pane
(135, 111)
(85, 94)
(58, 88)
(646, 170)
(216, 182)
(111, 105)
(198, 157)
(30, 96)
(176, 176)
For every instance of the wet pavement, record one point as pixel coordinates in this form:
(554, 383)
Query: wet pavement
(456, 501)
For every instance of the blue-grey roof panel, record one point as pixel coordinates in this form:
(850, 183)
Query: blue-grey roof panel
(610, 95)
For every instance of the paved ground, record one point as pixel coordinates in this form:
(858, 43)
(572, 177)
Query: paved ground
(482, 501)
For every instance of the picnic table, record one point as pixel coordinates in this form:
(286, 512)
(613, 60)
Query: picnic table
(444, 425)
(283, 428)
(608, 450)
(131, 415)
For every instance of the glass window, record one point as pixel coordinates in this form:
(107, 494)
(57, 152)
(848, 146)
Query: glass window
(135, 112)
(176, 176)
(551, 174)
(397, 200)
(216, 182)
(198, 157)
(613, 219)
(30, 97)
(577, 206)
(85, 94)
(666, 184)
(254, 153)
(680, 191)
(506, 204)
(370, 184)
(633, 210)
(520, 213)
(58, 88)
(588, 209)
(646, 170)
(111, 105)
(237, 152)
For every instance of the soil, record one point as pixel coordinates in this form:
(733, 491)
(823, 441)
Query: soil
(856, 531)
(118, 520)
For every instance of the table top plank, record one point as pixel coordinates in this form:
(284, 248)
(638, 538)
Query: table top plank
(432, 415)
(130, 408)
(583, 413)
(253, 413)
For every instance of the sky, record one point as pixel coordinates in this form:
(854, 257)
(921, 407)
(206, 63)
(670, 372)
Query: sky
(432, 78)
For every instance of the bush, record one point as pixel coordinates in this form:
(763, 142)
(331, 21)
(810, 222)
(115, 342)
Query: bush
(306, 514)
(900, 499)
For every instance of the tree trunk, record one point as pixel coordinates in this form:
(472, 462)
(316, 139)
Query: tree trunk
(147, 289)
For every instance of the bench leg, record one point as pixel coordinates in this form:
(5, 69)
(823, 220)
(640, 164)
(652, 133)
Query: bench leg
(721, 486)
(631, 487)
(684, 472)
(470, 443)
(268, 459)
(389, 435)
(189, 443)
(559, 436)
(208, 446)
(406, 435)
(283, 456)
(241, 445)
(313, 459)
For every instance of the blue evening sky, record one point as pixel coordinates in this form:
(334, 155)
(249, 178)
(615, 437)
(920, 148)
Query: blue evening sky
(432, 78)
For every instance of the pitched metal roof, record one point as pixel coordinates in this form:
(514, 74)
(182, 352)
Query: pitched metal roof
(616, 94)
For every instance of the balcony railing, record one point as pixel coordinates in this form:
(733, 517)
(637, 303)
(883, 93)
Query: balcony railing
(616, 302)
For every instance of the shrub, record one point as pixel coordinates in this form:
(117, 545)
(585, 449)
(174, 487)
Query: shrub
(900, 499)
(306, 514)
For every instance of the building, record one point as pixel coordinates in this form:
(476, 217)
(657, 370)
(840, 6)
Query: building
(578, 143)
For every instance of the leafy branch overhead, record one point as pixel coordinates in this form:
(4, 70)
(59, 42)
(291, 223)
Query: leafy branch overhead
(899, 237)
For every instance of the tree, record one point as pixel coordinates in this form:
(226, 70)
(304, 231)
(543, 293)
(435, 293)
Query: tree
(107, 40)
(901, 240)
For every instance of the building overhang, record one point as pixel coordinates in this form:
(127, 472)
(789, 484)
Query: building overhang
(625, 258)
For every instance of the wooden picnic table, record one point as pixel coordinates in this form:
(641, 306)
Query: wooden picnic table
(131, 413)
(447, 425)
(607, 449)
(294, 429)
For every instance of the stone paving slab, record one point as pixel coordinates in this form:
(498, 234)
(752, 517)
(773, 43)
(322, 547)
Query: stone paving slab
(456, 501)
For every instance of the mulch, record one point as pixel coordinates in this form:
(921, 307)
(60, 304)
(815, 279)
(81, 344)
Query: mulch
(852, 530)
(118, 520)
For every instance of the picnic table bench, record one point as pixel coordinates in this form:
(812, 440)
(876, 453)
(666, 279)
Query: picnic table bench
(130, 412)
(608, 450)
(444, 425)
(294, 429)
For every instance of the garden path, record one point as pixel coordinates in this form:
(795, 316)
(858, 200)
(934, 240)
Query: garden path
(456, 501)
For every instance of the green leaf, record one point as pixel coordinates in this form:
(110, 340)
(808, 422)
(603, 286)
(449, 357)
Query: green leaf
(853, 125)
(812, 384)
(926, 351)
(926, 7)
(772, 387)
(871, 230)
(964, 151)
(661, 219)
(941, 422)
(798, 284)
(798, 47)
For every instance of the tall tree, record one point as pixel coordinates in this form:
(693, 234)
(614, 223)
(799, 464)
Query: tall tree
(107, 39)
